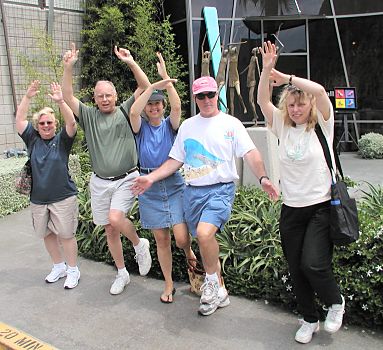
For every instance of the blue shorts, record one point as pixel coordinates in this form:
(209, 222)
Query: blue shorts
(161, 206)
(211, 204)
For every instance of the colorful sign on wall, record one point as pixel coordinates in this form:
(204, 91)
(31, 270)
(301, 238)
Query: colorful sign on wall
(345, 99)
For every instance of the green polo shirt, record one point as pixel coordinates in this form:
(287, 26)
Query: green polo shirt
(110, 139)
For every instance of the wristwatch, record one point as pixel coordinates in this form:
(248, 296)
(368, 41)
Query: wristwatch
(263, 177)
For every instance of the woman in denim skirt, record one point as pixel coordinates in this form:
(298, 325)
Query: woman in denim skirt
(161, 207)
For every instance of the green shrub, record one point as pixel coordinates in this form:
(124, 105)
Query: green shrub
(10, 200)
(371, 145)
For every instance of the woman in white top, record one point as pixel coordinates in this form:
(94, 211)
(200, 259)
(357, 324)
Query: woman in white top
(305, 184)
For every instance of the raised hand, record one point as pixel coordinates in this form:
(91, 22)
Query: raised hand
(71, 56)
(33, 89)
(269, 55)
(56, 93)
(161, 67)
(123, 54)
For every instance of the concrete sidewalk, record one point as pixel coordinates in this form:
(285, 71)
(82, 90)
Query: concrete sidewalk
(89, 318)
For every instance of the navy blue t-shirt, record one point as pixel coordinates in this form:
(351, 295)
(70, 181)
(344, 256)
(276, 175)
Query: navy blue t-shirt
(49, 159)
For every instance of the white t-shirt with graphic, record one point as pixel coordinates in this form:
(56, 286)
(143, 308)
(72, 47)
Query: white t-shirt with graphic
(208, 148)
(305, 177)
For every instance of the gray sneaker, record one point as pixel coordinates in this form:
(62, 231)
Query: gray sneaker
(143, 258)
(220, 300)
(209, 291)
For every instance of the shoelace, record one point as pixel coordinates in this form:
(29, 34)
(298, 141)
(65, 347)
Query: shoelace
(208, 288)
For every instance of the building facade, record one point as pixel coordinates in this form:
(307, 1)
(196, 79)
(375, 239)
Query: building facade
(22, 22)
(334, 42)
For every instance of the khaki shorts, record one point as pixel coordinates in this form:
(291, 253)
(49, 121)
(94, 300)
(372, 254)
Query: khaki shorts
(61, 218)
(106, 195)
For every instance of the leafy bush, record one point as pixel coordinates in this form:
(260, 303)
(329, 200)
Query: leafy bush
(10, 200)
(371, 145)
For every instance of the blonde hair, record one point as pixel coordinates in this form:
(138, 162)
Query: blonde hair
(45, 111)
(300, 95)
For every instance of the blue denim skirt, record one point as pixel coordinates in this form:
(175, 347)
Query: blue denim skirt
(211, 204)
(161, 206)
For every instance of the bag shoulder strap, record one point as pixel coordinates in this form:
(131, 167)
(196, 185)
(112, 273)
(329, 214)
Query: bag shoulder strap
(131, 129)
(326, 151)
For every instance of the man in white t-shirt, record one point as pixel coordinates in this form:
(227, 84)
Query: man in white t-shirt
(207, 145)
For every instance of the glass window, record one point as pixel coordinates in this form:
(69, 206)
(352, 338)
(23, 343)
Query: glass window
(325, 60)
(363, 52)
(176, 9)
(246, 8)
(346, 7)
(224, 7)
(292, 34)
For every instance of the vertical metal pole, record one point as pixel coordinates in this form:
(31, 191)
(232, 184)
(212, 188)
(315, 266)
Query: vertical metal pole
(189, 31)
(339, 43)
(9, 58)
(51, 19)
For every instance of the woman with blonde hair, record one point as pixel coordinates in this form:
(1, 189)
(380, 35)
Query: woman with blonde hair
(53, 196)
(305, 185)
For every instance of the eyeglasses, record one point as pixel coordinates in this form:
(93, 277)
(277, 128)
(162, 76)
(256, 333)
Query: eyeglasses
(209, 95)
(49, 122)
(103, 96)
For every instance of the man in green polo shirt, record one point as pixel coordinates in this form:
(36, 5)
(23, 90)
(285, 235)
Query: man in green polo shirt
(113, 157)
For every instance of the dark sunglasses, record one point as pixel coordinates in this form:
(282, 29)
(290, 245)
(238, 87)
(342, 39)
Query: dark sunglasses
(49, 122)
(209, 95)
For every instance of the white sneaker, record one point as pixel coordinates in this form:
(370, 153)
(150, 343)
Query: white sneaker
(55, 274)
(218, 299)
(143, 257)
(334, 317)
(305, 333)
(119, 284)
(72, 279)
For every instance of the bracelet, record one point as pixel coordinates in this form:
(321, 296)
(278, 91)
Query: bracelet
(263, 177)
(291, 79)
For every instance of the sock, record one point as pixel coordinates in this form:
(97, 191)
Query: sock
(213, 277)
(123, 271)
(138, 247)
(60, 265)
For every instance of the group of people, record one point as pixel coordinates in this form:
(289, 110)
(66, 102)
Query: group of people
(198, 202)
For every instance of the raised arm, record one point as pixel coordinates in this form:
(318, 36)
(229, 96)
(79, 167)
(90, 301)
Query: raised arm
(69, 60)
(57, 96)
(125, 56)
(141, 101)
(323, 102)
(22, 109)
(174, 99)
(269, 55)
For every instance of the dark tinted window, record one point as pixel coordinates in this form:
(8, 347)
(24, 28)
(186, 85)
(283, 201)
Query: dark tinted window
(325, 61)
(246, 8)
(224, 7)
(345, 7)
(363, 51)
(176, 9)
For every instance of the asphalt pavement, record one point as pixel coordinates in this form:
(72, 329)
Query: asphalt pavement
(89, 318)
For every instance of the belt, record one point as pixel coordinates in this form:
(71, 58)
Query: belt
(119, 177)
(147, 170)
